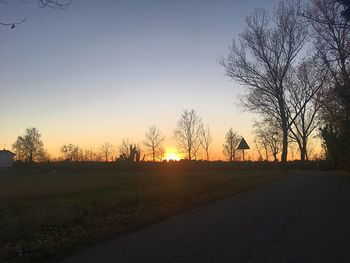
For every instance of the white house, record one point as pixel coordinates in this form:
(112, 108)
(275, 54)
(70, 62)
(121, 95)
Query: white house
(6, 158)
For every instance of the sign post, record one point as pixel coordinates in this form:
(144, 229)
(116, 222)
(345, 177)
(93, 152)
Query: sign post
(243, 145)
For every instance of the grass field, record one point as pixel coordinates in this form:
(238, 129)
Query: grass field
(45, 215)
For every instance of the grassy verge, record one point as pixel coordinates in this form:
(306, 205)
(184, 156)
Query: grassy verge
(46, 215)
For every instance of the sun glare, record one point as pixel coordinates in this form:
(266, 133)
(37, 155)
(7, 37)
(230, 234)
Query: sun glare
(171, 155)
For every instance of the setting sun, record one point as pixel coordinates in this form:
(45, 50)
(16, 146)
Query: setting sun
(172, 155)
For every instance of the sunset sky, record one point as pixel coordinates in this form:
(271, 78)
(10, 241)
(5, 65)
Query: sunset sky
(101, 71)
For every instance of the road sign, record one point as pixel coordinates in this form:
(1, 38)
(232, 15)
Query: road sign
(243, 145)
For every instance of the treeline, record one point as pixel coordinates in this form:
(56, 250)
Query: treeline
(194, 141)
(295, 65)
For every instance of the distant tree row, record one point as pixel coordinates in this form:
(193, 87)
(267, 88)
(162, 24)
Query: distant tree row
(191, 135)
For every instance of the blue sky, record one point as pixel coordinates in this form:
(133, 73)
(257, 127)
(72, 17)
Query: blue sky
(101, 71)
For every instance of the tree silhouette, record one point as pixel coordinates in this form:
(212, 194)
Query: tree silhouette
(29, 147)
(308, 94)
(206, 140)
(153, 140)
(107, 151)
(262, 60)
(188, 132)
(268, 137)
(331, 41)
(230, 145)
(71, 152)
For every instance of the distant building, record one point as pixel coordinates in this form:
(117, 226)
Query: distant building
(6, 158)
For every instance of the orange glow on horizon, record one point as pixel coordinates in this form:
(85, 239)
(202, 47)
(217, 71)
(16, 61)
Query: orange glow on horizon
(172, 155)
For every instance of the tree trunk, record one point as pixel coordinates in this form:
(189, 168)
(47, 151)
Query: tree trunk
(285, 129)
(302, 155)
(284, 146)
(266, 154)
(303, 151)
(275, 156)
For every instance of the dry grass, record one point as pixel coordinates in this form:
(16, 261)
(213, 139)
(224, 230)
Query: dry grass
(45, 215)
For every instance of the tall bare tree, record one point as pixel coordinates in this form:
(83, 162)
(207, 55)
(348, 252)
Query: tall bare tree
(188, 132)
(232, 140)
(308, 94)
(153, 140)
(206, 140)
(107, 151)
(331, 40)
(29, 147)
(262, 59)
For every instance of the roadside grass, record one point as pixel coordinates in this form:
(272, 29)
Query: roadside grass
(44, 216)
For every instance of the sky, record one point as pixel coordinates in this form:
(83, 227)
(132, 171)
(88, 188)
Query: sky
(101, 71)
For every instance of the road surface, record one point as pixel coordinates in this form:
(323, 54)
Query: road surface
(305, 218)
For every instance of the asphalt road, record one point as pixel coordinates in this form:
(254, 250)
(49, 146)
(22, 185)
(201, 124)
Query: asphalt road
(305, 218)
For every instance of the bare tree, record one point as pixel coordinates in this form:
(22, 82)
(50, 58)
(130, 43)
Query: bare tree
(232, 140)
(124, 149)
(188, 132)
(153, 140)
(268, 137)
(88, 155)
(261, 61)
(98, 156)
(308, 94)
(70, 152)
(107, 151)
(18, 148)
(331, 41)
(206, 140)
(161, 153)
(261, 146)
(29, 147)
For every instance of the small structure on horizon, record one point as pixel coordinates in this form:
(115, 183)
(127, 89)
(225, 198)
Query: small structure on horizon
(6, 158)
(243, 145)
